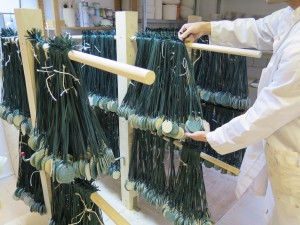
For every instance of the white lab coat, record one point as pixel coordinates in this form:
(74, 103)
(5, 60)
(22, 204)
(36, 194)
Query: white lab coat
(274, 118)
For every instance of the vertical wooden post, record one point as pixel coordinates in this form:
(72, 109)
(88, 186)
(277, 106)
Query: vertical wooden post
(127, 26)
(42, 7)
(134, 5)
(118, 5)
(26, 20)
(56, 17)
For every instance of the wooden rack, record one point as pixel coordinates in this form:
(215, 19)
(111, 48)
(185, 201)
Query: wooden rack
(126, 54)
(26, 20)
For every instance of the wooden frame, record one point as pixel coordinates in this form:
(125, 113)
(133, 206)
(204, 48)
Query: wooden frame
(26, 20)
(127, 27)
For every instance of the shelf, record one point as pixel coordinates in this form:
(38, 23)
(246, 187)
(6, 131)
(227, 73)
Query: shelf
(84, 28)
(167, 21)
(164, 21)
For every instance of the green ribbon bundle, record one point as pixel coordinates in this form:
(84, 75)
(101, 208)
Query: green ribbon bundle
(169, 178)
(73, 143)
(168, 107)
(223, 88)
(29, 186)
(221, 78)
(99, 82)
(14, 106)
(14, 109)
(102, 87)
(171, 104)
(216, 116)
(72, 204)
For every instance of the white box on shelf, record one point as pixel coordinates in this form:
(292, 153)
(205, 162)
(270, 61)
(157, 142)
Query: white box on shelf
(169, 12)
(158, 9)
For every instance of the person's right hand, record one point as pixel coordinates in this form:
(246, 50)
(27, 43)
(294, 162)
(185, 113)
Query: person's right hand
(190, 32)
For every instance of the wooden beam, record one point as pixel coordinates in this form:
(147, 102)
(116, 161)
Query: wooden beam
(209, 158)
(27, 19)
(134, 5)
(127, 26)
(123, 69)
(108, 210)
(226, 50)
(42, 7)
(118, 6)
(56, 17)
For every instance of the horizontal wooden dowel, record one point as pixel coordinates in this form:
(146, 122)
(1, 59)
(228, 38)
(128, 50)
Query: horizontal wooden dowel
(227, 50)
(131, 72)
(211, 48)
(209, 158)
(219, 163)
(108, 210)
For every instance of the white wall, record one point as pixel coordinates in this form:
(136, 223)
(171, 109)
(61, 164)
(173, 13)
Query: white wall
(8, 6)
(253, 7)
(30, 3)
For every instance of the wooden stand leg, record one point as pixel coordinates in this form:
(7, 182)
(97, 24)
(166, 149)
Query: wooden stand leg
(26, 20)
(127, 26)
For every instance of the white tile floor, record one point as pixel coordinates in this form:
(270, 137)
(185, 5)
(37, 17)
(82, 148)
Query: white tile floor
(224, 207)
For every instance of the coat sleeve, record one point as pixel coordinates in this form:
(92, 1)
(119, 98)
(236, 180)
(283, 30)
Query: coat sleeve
(277, 105)
(246, 33)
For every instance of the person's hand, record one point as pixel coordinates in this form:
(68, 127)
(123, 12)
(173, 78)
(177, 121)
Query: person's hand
(197, 136)
(190, 32)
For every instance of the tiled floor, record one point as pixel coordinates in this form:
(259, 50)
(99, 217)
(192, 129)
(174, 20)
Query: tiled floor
(224, 207)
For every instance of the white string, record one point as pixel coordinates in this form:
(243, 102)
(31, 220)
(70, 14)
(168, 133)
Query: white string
(184, 64)
(66, 91)
(198, 57)
(30, 181)
(49, 87)
(86, 209)
(46, 53)
(76, 79)
(18, 51)
(57, 186)
(162, 50)
(7, 60)
(35, 56)
(97, 49)
(64, 71)
(46, 67)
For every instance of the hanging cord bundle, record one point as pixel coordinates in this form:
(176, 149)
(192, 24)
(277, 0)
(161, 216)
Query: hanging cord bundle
(221, 78)
(223, 88)
(72, 204)
(169, 178)
(29, 186)
(216, 117)
(14, 109)
(171, 104)
(110, 121)
(74, 145)
(14, 106)
(102, 87)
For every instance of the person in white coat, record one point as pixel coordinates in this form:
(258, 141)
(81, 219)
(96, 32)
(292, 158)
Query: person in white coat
(271, 127)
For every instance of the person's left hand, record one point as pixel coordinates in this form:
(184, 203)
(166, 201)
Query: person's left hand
(197, 136)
